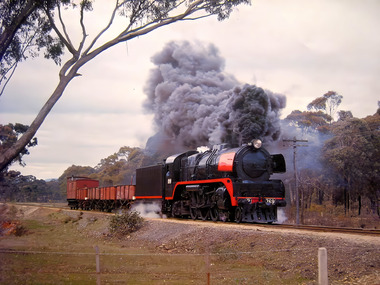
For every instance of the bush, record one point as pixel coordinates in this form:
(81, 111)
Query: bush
(126, 223)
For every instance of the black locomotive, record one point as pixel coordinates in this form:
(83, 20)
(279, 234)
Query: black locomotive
(220, 184)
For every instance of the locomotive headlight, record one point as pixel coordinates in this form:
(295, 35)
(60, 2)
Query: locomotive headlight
(257, 143)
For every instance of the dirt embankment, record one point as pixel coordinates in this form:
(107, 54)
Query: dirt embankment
(352, 259)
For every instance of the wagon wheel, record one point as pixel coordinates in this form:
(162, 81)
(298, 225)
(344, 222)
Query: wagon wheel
(214, 214)
(194, 213)
(238, 214)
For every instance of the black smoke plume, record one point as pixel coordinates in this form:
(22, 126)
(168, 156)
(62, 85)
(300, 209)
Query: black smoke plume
(195, 103)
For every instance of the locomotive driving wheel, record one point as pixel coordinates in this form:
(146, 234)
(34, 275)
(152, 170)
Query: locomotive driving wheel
(194, 213)
(214, 214)
(238, 214)
(204, 213)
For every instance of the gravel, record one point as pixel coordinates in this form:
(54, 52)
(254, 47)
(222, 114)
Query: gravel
(352, 259)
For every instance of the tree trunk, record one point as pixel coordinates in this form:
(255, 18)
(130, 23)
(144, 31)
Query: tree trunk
(360, 204)
(320, 196)
(9, 32)
(345, 201)
(302, 206)
(11, 153)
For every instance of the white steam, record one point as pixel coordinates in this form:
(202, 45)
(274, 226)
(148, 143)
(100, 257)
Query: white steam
(147, 210)
(281, 216)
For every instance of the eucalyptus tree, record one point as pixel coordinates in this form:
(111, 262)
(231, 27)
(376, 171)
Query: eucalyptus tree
(24, 32)
(9, 134)
(353, 156)
(143, 16)
(329, 103)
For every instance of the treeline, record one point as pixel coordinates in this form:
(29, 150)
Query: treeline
(339, 165)
(116, 169)
(15, 187)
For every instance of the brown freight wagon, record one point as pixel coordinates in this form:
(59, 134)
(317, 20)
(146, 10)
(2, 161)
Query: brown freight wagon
(112, 193)
(74, 183)
(97, 193)
(119, 192)
(129, 192)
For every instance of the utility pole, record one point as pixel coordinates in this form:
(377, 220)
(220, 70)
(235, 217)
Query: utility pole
(295, 141)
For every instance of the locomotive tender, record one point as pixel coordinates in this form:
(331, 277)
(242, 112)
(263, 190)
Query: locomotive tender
(223, 184)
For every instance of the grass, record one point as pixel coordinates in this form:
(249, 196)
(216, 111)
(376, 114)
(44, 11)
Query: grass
(59, 249)
(330, 215)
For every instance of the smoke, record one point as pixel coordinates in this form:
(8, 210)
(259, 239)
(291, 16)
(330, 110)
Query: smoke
(147, 210)
(281, 216)
(195, 103)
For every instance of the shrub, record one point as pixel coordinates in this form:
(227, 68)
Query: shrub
(126, 223)
(68, 219)
(20, 230)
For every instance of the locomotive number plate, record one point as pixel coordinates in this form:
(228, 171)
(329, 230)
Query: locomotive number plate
(271, 201)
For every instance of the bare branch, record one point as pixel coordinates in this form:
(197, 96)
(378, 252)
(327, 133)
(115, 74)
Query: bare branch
(84, 33)
(13, 68)
(69, 46)
(117, 6)
(63, 25)
(148, 27)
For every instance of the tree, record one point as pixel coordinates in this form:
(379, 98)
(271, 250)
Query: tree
(74, 170)
(116, 169)
(353, 155)
(16, 187)
(24, 31)
(344, 115)
(120, 167)
(308, 121)
(144, 16)
(329, 103)
(9, 135)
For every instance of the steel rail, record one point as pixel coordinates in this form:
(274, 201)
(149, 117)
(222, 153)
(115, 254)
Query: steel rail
(317, 228)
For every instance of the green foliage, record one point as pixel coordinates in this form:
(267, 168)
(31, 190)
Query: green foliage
(308, 121)
(354, 154)
(142, 17)
(74, 170)
(342, 161)
(116, 169)
(24, 31)
(329, 103)
(9, 134)
(126, 223)
(18, 188)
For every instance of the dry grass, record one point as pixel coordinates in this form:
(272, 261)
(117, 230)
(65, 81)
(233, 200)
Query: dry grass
(59, 249)
(329, 215)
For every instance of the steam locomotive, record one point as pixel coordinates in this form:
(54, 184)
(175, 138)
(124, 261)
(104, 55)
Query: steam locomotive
(221, 184)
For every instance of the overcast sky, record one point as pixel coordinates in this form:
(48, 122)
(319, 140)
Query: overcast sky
(298, 48)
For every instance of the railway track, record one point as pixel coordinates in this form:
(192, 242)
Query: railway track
(314, 228)
(372, 232)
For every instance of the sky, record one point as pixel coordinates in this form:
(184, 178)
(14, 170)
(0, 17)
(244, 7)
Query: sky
(301, 49)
